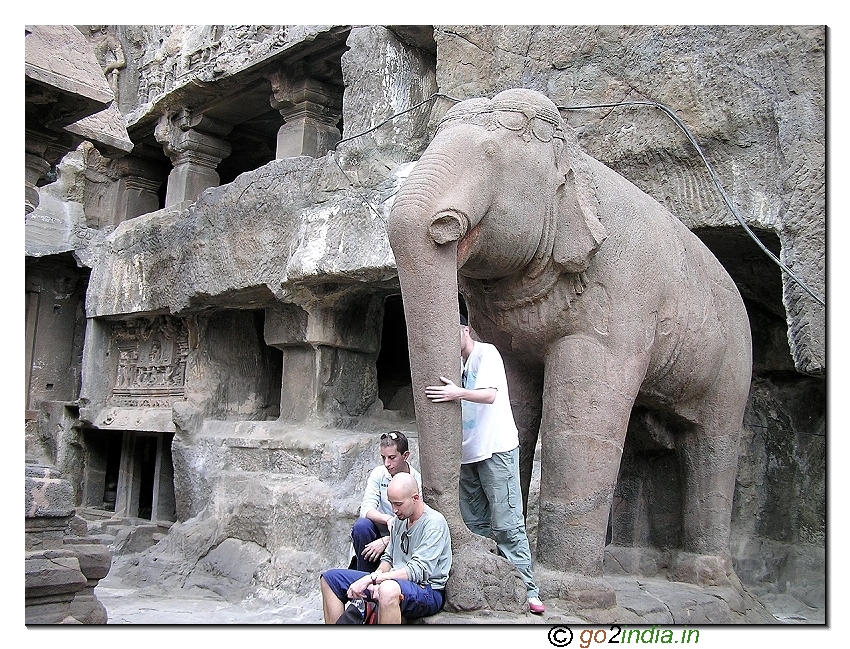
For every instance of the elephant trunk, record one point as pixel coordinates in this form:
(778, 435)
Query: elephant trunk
(424, 240)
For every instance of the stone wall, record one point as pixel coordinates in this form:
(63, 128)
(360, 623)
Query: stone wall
(62, 564)
(281, 276)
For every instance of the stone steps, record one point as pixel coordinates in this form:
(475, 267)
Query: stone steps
(123, 535)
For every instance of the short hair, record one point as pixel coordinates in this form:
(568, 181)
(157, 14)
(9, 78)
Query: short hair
(395, 438)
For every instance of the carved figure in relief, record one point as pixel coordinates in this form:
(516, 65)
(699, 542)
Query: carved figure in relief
(123, 368)
(598, 298)
(156, 352)
(151, 359)
(109, 53)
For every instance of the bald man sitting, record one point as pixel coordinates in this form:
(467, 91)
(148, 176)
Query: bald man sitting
(414, 568)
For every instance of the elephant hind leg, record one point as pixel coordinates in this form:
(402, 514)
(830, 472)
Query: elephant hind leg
(708, 457)
(709, 466)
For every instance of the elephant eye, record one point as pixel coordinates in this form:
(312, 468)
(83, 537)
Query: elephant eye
(511, 120)
(543, 131)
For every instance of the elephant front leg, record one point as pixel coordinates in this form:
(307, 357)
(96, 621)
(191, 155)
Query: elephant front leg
(587, 400)
(525, 383)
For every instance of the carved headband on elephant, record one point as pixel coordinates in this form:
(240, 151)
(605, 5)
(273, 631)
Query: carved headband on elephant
(513, 110)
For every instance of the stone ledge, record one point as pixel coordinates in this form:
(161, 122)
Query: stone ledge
(640, 602)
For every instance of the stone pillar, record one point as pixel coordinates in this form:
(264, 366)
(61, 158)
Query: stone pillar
(195, 145)
(120, 189)
(139, 181)
(127, 498)
(42, 151)
(311, 111)
(329, 355)
(35, 168)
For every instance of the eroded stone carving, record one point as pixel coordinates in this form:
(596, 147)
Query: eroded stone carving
(202, 51)
(62, 564)
(110, 54)
(151, 362)
(598, 299)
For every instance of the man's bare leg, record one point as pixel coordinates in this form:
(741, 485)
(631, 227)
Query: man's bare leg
(389, 602)
(332, 606)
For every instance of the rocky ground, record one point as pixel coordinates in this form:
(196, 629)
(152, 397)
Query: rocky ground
(128, 605)
(205, 619)
(650, 600)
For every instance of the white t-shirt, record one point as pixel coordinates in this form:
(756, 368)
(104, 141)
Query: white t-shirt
(487, 427)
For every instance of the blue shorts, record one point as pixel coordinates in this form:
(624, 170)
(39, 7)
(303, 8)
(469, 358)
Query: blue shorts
(419, 601)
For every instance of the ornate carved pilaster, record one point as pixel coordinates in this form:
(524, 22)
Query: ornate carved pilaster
(311, 111)
(194, 145)
(328, 364)
(119, 189)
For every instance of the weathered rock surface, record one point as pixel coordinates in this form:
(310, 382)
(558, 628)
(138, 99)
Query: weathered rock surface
(62, 566)
(295, 239)
(289, 224)
(275, 509)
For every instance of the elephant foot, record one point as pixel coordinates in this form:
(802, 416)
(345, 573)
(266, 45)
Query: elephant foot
(576, 590)
(703, 570)
(482, 580)
(635, 560)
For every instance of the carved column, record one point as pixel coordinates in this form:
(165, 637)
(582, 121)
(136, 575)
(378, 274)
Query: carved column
(195, 145)
(139, 181)
(117, 190)
(42, 151)
(35, 168)
(311, 111)
(328, 360)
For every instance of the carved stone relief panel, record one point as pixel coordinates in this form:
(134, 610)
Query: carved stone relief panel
(199, 51)
(151, 362)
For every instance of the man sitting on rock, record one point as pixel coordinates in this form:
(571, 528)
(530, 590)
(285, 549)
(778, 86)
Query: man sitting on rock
(370, 534)
(413, 570)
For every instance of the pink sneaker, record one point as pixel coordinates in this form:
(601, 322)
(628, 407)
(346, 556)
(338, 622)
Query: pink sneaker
(536, 606)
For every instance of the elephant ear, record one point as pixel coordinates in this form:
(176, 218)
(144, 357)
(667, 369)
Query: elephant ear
(578, 230)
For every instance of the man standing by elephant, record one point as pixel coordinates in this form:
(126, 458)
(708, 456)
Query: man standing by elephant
(490, 496)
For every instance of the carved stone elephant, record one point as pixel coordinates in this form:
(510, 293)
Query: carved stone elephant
(598, 299)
